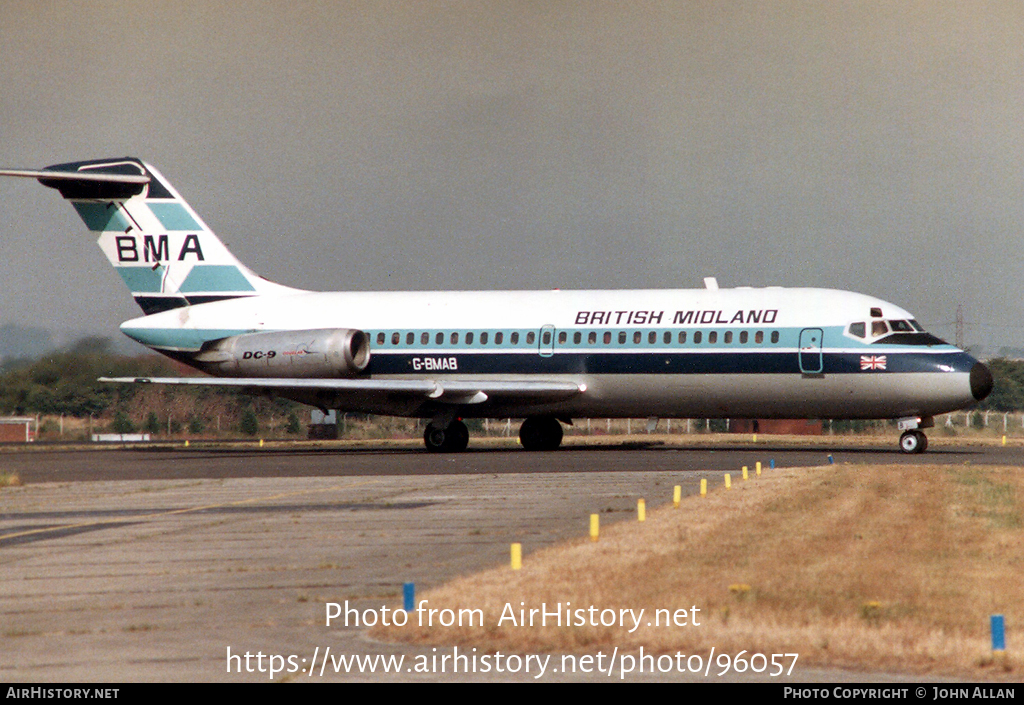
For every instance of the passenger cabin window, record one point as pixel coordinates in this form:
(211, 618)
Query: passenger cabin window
(380, 338)
(667, 338)
(455, 338)
(622, 337)
(728, 337)
(637, 337)
(607, 337)
(682, 337)
(859, 329)
(697, 337)
(759, 337)
(577, 337)
(469, 338)
(775, 336)
(652, 337)
(410, 338)
(592, 338)
(514, 338)
(483, 338)
(424, 338)
(561, 338)
(743, 337)
(498, 337)
(713, 337)
(531, 338)
(439, 339)
(396, 337)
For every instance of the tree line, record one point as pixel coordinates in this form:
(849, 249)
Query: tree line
(64, 383)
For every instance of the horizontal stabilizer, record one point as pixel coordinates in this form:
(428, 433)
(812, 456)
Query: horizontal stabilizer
(78, 176)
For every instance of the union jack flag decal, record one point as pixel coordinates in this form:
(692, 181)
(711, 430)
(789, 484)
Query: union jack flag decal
(872, 362)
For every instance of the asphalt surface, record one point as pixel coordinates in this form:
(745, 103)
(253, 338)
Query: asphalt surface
(217, 462)
(171, 565)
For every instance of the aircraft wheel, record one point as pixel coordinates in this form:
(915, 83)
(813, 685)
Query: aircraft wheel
(453, 439)
(913, 442)
(540, 433)
(458, 437)
(434, 439)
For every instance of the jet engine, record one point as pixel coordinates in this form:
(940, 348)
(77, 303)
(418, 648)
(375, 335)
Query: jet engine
(325, 352)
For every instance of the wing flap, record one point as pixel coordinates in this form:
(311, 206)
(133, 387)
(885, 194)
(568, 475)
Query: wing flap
(455, 392)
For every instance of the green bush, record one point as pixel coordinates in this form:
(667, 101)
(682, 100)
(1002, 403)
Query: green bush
(249, 424)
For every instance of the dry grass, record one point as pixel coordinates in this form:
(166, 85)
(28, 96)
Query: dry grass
(868, 567)
(9, 479)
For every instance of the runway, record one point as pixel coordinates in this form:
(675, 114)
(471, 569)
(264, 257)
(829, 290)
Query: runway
(219, 462)
(128, 565)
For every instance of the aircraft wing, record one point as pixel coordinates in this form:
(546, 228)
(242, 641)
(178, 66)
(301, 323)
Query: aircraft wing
(460, 391)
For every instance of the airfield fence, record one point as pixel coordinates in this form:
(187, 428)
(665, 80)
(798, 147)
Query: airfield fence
(362, 426)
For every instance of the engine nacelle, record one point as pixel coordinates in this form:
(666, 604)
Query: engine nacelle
(324, 352)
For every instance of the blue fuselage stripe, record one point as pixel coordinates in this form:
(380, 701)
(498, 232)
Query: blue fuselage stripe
(655, 362)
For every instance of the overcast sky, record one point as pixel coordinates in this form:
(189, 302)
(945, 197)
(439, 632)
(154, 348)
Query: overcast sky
(870, 146)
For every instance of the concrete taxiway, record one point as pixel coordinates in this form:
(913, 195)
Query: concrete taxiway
(125, 566)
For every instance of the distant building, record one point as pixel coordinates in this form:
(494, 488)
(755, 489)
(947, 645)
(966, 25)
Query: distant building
(323, 427)
(120, 438)
(17, 429)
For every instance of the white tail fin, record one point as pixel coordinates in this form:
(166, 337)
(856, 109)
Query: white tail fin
(164, 252)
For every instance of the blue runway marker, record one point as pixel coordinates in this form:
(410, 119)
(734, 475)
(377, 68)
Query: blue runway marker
(998, 633)
(409, 595)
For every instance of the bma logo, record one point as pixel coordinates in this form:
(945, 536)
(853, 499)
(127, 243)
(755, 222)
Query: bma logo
(155, 248)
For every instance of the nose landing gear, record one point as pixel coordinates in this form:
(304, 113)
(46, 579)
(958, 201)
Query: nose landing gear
(913, 439)
(913, 442)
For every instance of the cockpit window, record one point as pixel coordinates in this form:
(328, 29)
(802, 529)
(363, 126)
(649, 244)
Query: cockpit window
(858, 329)
(900, 332)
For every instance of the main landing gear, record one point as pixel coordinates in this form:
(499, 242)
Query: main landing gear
(540, 433)
(453, 439)
(536, 433)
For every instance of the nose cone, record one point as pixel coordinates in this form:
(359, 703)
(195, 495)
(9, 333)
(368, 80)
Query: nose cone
(981, 381)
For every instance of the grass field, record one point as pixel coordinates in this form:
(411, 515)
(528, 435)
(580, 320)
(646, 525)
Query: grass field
(891, 568)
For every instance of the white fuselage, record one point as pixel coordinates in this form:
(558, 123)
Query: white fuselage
(755, 353)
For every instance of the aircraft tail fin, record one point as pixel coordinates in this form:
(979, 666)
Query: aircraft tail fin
(164, 252)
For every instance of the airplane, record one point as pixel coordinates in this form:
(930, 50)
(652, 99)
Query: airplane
(544, 356)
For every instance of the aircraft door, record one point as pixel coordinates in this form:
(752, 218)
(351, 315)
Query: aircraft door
(810, 351)
(547, 341)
